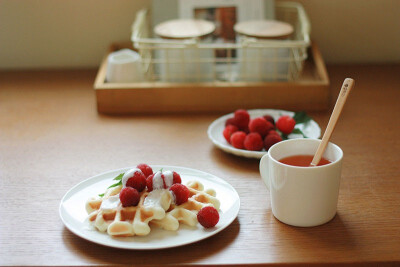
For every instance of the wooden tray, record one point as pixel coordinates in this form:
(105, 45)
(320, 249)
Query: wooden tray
(309, 93)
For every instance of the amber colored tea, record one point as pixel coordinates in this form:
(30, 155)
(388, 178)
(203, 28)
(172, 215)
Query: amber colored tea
(302, 160)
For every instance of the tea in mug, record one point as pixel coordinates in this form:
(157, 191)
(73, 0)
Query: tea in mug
(302, 160)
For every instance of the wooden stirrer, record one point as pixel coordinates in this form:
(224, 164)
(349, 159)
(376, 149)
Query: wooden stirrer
(337, 110)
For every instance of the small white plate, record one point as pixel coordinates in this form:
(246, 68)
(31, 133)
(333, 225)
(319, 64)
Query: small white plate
(310, 129)
(74, 216)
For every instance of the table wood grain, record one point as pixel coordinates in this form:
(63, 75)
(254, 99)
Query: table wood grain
(51, 138)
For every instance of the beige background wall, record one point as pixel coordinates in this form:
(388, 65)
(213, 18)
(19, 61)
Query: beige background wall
(356, 30)
(75, 34)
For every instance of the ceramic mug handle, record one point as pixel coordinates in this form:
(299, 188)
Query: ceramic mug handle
(264, 172)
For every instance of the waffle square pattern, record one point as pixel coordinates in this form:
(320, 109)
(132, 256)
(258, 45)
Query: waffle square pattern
(156, 208)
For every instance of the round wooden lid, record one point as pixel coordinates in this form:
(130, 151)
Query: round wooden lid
(272, 29)
(184, 28)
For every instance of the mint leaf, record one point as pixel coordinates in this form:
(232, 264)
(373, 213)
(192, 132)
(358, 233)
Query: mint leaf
(301, 117)
(115, 185)
(284, 136)
(298, 131)
(119, 177)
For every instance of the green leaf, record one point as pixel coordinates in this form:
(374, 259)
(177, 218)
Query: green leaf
(115, 185)
(301, 117)
(284, 136)
(298, 131)
(119, 177)
(111, 186)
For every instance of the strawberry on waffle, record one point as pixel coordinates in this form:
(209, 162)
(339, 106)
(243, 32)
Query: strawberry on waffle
(186, 212)
(140, 198)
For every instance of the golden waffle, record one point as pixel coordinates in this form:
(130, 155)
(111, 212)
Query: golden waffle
(127, 221)
(186, 213)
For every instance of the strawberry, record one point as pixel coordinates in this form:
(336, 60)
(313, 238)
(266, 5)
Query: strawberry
(177, 178)
(285, 124)
(180, 192)
(230, 121)
(149, 182)
(273, 132)
(208, 217)
(271, 139)
(129, 197)
(237, 139)
(269, 118)
(241, 118)
(254, 142)
(228, 131)
(146, 169)
(137, 181)
(261, 126)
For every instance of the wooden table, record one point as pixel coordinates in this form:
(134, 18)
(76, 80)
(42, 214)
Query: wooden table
(51, 138)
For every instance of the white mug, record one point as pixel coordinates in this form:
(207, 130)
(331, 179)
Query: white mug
(302, 196)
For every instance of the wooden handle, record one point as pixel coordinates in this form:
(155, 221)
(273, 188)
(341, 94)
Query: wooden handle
(337, 110)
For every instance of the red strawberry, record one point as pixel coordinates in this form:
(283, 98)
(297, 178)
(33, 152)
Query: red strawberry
(269, 118)
(230, 121)
(181, 193)
(137, 181)
(242, 118)
(129, 197)
(149, 182)
(285, 124)
(177, 178)
(271, 139)
(261, 126)
(246, 129)
(228, 131)
(237, 139)
(254, 142)
(208, 217)
(146, 169)
(273, 132)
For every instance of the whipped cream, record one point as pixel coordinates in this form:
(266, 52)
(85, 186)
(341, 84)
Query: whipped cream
(168, 178)
(110, 203)
(158, 198)
(160, 179)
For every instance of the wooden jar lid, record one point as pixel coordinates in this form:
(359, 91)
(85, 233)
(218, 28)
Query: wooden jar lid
(267, 29)
(184, 28)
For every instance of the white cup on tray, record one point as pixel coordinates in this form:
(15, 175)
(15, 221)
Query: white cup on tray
(124, 66)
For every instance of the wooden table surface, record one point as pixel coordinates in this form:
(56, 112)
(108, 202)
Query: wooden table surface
(51, 138)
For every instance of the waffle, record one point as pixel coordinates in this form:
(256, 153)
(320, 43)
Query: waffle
(157, 208)
(186, 213)
(108, 214)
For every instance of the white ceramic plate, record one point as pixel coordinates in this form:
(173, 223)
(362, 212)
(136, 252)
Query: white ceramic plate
(310, 129)
(74, 216)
